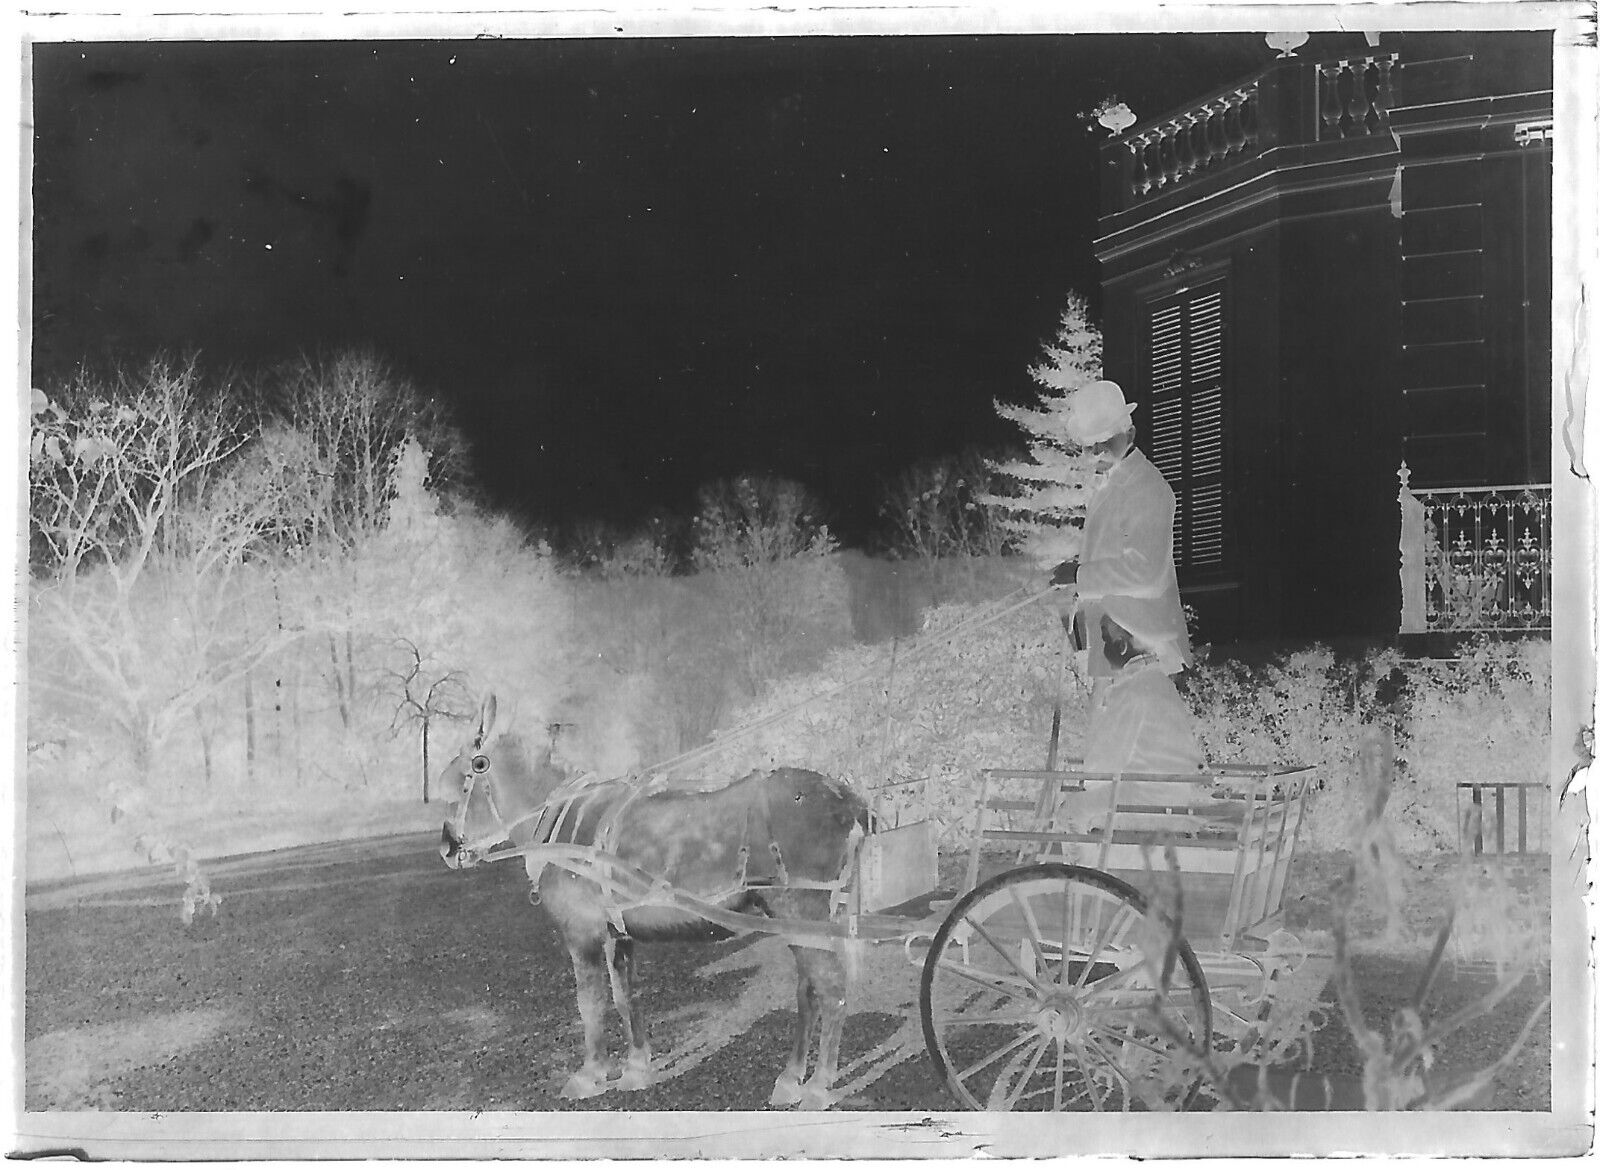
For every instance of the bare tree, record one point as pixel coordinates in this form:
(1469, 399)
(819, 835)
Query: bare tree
(346, 419)
(142, 534)
(428, 692)
(140, 539)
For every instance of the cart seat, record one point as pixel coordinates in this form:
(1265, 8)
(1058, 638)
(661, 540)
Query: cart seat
(1228, 832)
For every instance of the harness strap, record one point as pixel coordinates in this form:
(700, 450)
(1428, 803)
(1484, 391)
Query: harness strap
(777, 862)
(623, 886)
(608, 824)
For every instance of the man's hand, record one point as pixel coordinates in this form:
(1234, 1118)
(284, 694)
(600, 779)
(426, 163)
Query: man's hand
(1066, 573)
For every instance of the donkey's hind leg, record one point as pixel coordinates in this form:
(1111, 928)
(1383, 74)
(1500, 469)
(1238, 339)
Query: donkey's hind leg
(624, 970)
(829, 979)
(589, 970)
(787, 1090)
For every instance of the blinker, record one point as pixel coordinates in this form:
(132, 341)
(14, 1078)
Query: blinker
(480, 764)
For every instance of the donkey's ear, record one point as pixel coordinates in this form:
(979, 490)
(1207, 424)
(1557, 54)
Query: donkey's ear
(486, 718)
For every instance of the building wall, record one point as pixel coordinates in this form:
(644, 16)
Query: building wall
(1475, 289)
(1338, 435)
(1389, 299)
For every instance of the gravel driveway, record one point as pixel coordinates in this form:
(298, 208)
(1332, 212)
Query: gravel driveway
(366, 976)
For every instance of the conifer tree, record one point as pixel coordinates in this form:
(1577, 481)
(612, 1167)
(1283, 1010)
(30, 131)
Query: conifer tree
(1042, 513)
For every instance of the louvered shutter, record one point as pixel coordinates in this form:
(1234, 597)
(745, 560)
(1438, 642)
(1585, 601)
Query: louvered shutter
(1185, 354)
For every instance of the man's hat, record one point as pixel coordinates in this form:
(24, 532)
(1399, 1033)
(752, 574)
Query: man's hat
(1097, 412)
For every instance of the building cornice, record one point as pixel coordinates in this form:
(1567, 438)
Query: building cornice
(1470, 113)
(1273, 182)
(1257, 191)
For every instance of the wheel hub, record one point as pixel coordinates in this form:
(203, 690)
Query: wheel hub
(1061, 1017)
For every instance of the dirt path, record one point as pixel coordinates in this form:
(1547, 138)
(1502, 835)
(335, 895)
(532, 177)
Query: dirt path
(365, 976)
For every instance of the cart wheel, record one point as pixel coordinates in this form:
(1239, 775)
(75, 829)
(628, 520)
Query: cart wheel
(1043, 990)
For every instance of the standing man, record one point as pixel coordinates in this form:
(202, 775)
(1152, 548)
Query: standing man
(1129, 619)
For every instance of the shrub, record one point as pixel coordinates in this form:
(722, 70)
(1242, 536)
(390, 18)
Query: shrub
(1482, 718)
(985, 699)
(938, 508)
(765, 555)
(969, 696)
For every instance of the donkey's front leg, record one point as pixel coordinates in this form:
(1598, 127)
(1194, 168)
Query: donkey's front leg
(588, 969)
(830, 983)
(622, 966)
(787, 1089)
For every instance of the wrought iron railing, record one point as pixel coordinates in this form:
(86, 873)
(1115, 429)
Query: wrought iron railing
(1503, 817)
(1474, 558)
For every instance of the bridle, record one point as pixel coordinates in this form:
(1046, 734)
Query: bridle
(478, 769)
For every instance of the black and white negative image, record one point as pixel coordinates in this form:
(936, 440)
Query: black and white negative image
(804, 588)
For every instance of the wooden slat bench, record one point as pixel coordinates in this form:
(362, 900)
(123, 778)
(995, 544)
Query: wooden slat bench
(1232, 830)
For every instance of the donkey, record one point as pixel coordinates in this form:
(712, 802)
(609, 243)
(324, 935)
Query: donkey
(776, 844)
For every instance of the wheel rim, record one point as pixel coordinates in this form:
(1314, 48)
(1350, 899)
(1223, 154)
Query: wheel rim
(1044, 990)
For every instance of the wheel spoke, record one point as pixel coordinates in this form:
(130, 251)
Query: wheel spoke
(1117, 982)
(1069, 920)
(1136, 1041)
(1103, 939)
(1095, 1101)
(1020, 1084)
(1061, 1075)
(995, 1055)
(1006, 955)
(987, 1019)
(995, 981)
(1035, 935)
(1121, 1074)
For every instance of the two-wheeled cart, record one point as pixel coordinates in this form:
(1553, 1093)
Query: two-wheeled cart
(1106, 932)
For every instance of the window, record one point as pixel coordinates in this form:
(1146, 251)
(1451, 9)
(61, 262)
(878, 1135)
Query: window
(1185, 376)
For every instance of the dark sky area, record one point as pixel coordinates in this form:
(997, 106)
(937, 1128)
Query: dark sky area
(634, 266)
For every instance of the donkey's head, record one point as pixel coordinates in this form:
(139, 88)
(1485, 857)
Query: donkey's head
(495, 785)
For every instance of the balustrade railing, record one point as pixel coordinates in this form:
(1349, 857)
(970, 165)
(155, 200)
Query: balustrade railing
(1290, 102)
(1200, 139)
(1474, 558)
(1354, 96)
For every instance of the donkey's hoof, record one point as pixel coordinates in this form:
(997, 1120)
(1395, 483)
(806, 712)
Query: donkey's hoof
(815, 1097)
(635, 1077)
(786, 1092)
(583, 1084)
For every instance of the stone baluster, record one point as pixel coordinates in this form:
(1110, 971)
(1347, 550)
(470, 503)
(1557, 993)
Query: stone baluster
(1329, 108)
(1384, 98)
(1138, 181)
(1249, 122)
(1359, 106)
(1183, 147)
(1217, 133)
(1233, 128)
(1168, 148)
(1202, 138)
